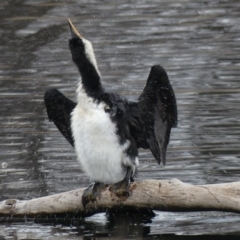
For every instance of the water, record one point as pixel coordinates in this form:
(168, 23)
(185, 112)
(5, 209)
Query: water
(197, 42)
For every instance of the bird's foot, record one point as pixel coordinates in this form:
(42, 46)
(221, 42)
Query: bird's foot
(121, 188)
(90, 194)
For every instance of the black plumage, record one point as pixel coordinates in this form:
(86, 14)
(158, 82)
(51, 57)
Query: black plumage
(146, 122)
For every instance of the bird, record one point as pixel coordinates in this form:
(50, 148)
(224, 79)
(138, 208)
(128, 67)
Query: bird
(106, 129)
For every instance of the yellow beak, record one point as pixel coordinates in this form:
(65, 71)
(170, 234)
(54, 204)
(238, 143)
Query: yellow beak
(74, 31)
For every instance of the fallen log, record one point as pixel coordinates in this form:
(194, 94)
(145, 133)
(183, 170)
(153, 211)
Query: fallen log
(165, 195)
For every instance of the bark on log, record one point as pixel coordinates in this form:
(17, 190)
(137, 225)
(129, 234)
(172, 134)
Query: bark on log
(166, 195)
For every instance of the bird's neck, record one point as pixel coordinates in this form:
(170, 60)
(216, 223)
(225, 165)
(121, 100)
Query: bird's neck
(90, 77)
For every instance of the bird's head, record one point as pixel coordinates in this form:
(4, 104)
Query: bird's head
(81, 49)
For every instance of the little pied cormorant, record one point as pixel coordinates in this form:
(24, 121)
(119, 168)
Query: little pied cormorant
(107, 129)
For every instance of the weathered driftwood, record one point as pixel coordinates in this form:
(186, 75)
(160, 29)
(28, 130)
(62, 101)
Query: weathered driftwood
(148, 194)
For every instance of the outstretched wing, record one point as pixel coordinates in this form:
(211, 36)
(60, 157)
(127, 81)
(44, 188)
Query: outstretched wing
(158, 113)
(59, 110)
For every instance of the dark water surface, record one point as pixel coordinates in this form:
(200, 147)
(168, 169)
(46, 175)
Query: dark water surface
(198, 43)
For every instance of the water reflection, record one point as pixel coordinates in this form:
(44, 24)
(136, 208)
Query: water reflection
(196, 41)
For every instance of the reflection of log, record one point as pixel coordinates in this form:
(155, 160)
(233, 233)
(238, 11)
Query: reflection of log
(148, 194)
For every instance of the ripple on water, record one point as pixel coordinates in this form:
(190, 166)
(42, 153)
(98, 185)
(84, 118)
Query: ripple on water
(197, 42)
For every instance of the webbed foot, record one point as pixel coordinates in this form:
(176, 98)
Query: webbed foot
(122, 188)
(90, 194)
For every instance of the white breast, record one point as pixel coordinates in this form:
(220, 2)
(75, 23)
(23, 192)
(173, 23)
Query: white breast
(98, 150)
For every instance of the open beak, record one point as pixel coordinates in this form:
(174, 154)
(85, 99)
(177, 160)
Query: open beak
(74, 32)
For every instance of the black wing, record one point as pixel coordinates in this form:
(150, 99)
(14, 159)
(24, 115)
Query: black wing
(59, 110)
(155, 114)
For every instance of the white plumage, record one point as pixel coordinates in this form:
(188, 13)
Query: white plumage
(107, 138)
(97, 146)
(90, 54)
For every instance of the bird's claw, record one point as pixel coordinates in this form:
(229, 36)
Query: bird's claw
(91, 193)
(121, 188)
